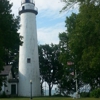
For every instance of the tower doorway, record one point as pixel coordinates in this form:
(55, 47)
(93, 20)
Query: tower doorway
(13, 89)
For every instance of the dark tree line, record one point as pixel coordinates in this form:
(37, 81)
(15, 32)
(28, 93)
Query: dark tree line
(9, 36)
(50, 67)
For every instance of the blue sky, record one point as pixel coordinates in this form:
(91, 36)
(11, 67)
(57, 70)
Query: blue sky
(50, 22)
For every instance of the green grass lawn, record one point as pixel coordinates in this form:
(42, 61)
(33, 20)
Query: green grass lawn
(49, 98)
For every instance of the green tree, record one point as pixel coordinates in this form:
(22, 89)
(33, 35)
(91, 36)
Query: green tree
(68, 55)
(9, 36)
(83, 41)
(50, 67)
(89, 33)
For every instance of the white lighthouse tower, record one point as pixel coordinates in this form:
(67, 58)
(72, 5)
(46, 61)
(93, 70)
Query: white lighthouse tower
(28, 54)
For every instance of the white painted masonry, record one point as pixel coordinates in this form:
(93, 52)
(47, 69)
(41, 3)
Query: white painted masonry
(28, 54)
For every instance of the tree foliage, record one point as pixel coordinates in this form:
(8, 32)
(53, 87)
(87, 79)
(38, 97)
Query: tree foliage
(89, 27)
(67, 83)
(9, 37)
(50, 67)
(83, 38)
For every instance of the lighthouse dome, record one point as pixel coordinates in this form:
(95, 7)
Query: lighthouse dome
(27, 1)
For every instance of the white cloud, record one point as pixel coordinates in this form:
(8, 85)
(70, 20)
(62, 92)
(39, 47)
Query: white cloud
(50, 35)
(50, 8)
(16, 6)
(53, 5)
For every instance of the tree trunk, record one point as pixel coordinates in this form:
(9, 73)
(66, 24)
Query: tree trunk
(50, 89)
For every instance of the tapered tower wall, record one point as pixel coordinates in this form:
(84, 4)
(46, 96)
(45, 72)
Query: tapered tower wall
(28, 53)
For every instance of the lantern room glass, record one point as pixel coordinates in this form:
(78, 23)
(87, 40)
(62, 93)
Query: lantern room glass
(27, 1)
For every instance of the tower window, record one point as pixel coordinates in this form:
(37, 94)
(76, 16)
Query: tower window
(23, 7)
(28, 60)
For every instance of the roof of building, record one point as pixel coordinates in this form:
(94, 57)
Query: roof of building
(14, 80)
(6, 70)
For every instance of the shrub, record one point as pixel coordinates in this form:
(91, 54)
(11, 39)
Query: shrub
(57, 95)
(3, 95)
(95, 93)
(84, 94)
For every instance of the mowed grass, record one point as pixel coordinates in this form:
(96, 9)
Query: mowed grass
(49, 98)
